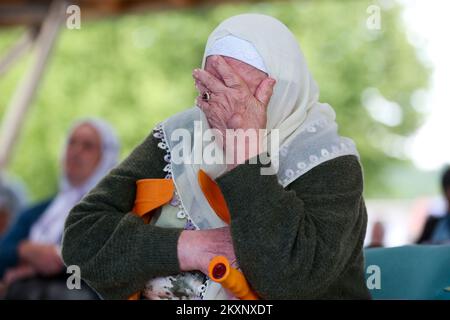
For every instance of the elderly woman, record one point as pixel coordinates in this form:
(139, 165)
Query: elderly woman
(12, 200)
(30, 260)
(296, 233)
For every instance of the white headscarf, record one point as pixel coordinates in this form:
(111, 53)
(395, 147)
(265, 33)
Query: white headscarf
(242, 50)
(48, 229)
(294, 102)
(294, 108)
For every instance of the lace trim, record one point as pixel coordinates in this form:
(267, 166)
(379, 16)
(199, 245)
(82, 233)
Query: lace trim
(176, 201)
(159, 134)
(342, 147)
(303, 167)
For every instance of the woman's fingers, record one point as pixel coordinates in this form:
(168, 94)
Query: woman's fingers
(208, 80)
(200, 87)
(230, 104)
(265, 91)
(201, 90)
(202, 104)
(230, 78)
(215, 100)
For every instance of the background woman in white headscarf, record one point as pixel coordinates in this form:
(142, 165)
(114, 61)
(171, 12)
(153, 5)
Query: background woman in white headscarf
(32, 247)
(12, 201)
(294, 234)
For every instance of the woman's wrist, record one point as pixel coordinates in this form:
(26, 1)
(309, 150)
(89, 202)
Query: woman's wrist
(245, 149)
(187, 244)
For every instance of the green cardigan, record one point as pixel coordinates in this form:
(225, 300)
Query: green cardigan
(302, 242)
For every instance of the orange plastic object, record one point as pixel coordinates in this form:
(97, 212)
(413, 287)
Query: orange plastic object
(214, 196)
(152, 194)
(220, 271)
(135, 296)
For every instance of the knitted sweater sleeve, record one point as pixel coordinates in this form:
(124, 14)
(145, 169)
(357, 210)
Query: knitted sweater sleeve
(304, 241)
(298, 242)
(116, 252)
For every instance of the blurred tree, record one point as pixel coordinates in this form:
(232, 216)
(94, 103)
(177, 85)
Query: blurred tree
(135, 71)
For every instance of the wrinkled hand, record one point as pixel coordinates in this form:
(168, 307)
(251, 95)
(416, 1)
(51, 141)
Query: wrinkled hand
(232, 105)
(197, 248)
(43, 258)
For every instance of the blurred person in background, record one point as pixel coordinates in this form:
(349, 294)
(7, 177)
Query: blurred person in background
(12, 201)
(437, 229)
(377, 236)
(30, 259)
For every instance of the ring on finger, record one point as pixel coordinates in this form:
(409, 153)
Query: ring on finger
(206, 96)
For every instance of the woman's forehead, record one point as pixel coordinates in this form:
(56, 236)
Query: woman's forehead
(85, 130)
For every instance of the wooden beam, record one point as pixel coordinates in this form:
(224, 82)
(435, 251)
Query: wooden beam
(25, 12)
(23, 96)
(22, 13)
(18, 49)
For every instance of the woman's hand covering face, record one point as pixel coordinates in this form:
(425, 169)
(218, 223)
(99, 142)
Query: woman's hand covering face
(232, 103)
(238, 98)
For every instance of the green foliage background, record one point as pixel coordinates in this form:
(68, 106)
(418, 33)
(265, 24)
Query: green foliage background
(135, 71)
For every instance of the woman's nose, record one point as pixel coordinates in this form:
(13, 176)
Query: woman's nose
(75, 149)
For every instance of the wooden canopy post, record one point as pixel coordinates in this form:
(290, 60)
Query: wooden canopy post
(23, 96)
(18, 49)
